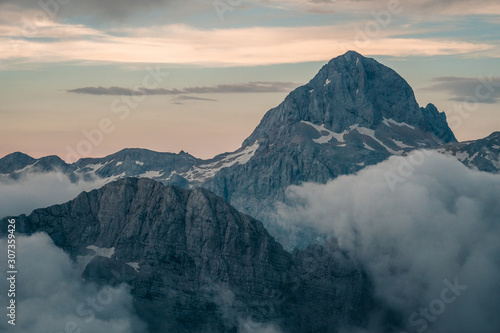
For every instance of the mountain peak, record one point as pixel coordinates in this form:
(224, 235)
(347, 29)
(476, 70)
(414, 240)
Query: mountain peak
(182, 250)
(351, 54)
(353, 90)
(494, 135)
(17, 155)
(15, 161)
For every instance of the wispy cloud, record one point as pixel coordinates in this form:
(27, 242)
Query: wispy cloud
(50, 41)
(412, 8)
(440, 223)
(462, 89)
(103, 10)
(193, 98)
(52, 296)
(249, 87)
(182, 98)
(118, 10)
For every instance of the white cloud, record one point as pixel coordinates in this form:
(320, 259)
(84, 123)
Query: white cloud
(441, 223)
(411, 8)
(183, 44)
(39, 190)
(51, 296)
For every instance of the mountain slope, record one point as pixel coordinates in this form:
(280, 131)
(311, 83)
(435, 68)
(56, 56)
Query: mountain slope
(482, 154)
(352, 90)
(198, 265)
(355, 112)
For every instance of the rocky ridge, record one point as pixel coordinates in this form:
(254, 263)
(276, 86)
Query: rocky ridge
(198, 265)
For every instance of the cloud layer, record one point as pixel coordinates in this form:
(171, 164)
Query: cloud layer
(250, 87)
(437, 226)
(51, 296)
(122, 9)
(39, 190)
(464, 89)
(411, 8)
(31, 36)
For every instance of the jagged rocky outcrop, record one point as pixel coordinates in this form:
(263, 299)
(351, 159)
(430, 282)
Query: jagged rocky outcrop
(130, 162)
(354, 113)
(354, 90)
(198, 265)
(482, 154)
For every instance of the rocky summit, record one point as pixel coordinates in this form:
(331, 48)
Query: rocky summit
(165, 224)
(354, 113)
(198, 265)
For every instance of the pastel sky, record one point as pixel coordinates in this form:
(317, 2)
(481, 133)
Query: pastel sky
(212, 68)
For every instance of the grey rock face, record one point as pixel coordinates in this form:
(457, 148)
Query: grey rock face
(355, 112)
(198, 265)
(15, 161)
(349, 90)
(483, 154)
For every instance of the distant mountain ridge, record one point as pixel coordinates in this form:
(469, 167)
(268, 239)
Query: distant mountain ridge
(196, 264)
(354, 113)
(185, 234)
(352, 90)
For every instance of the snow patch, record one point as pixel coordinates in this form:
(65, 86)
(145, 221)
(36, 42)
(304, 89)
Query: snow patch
(102, 251)
(113, 178)
(367, 147)
(119, 163)
(26, 168)
(83, 261)
(95, 167)
(462, 156)
(326, 138)
(495, 147)
(371, 134)
(392, 121)
(473, 157)
(400, 144)
(139, 163)
(327, 82)
(134, 265)
(206, 171)
(151, 174)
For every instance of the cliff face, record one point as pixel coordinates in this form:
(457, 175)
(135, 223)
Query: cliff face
(198, 265)
(354, 113)
(482, 154)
